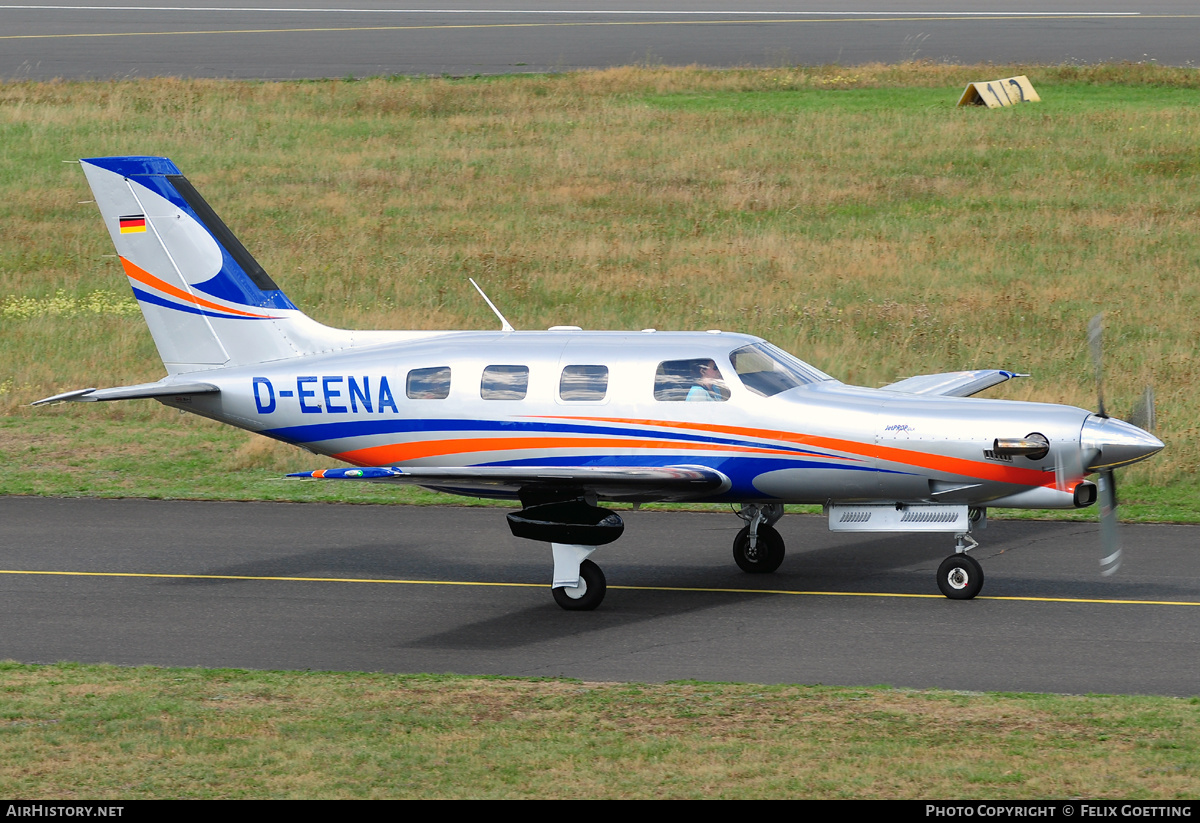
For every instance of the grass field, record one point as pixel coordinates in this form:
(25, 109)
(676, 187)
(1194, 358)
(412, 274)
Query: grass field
(98, 732)
(853, 216)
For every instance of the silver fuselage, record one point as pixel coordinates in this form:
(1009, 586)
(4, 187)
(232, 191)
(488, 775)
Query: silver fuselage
(817, 443)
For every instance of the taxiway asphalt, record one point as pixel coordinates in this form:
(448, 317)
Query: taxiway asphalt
(447, 589)
(361, 38)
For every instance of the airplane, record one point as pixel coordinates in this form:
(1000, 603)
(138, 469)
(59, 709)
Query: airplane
(564, 419)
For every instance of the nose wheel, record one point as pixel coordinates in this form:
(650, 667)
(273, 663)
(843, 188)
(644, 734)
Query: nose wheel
(960, 577)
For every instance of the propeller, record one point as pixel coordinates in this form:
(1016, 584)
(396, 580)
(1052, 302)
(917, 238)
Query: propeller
(1143, 417)
(1110, 538)
(1096, 347)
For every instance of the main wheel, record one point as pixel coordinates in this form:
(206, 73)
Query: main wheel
(766, 556)
(960, 577)
(588, 594)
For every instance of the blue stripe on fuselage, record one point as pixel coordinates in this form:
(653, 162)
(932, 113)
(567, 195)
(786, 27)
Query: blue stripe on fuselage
(754, 465)
(319, 432)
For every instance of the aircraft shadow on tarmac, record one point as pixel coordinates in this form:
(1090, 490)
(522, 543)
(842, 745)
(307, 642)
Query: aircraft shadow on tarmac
(546, 622)
(394, 561)
(1025, 559)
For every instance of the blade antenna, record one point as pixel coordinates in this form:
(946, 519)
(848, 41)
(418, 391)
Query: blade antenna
(504, 324)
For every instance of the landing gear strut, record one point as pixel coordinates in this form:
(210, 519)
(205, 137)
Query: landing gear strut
(758, 548)
(573, 528)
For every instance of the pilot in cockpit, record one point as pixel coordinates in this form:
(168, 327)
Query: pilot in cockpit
(708, 382)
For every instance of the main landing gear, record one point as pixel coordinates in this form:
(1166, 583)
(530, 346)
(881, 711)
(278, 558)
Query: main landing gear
(579, 584)
(758, 548)
(588, 591)
(575, 528)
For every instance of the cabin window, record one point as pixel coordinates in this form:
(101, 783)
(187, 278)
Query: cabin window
(767, 371)
(583, 383)
(504, 383)
(429, 384)
(695, 379)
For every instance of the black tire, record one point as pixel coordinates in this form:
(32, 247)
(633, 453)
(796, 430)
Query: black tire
(768, 554)
(960, 577)
(593, 585)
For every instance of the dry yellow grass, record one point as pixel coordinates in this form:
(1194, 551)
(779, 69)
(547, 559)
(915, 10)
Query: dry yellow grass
(854, 217)
(76, 731)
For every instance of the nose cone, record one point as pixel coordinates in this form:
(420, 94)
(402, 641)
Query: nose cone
(1117, 443)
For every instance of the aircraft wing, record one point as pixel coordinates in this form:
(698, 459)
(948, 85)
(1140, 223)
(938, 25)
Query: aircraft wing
(159, 389)
(633, 483)
(953, 384)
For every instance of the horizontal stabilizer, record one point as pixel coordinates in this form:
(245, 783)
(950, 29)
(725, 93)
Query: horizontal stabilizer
(632, 483)
(953, 384)
(138, 392)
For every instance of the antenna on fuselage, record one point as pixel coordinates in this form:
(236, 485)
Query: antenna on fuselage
(504, 324)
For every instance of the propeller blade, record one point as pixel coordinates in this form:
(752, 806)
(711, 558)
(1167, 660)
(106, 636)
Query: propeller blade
(1095, 344)
(1143, 415)
(1110, 540)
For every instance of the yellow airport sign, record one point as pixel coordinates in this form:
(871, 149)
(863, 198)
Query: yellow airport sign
(997, 93)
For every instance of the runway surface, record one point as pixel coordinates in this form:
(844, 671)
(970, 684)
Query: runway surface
(379, 588)
(339, 38)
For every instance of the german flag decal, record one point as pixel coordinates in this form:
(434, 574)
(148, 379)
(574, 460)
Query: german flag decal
(132, 223)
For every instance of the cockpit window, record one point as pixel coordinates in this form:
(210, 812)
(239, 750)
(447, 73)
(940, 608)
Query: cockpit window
(429, 384)
(504, 383)
(697, 379)
(766, 370)
(583, 383)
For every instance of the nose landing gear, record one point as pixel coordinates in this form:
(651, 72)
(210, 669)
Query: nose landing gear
(960, 577)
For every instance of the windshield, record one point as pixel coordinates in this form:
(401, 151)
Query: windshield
(767, 370)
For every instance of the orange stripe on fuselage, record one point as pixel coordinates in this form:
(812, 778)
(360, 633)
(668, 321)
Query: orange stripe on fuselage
(399, 453)
(924, 460)
(147, 279)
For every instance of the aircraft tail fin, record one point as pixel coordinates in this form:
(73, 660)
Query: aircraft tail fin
(207, 301)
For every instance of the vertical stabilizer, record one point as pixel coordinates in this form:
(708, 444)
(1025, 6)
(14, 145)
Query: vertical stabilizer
(207, 301)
